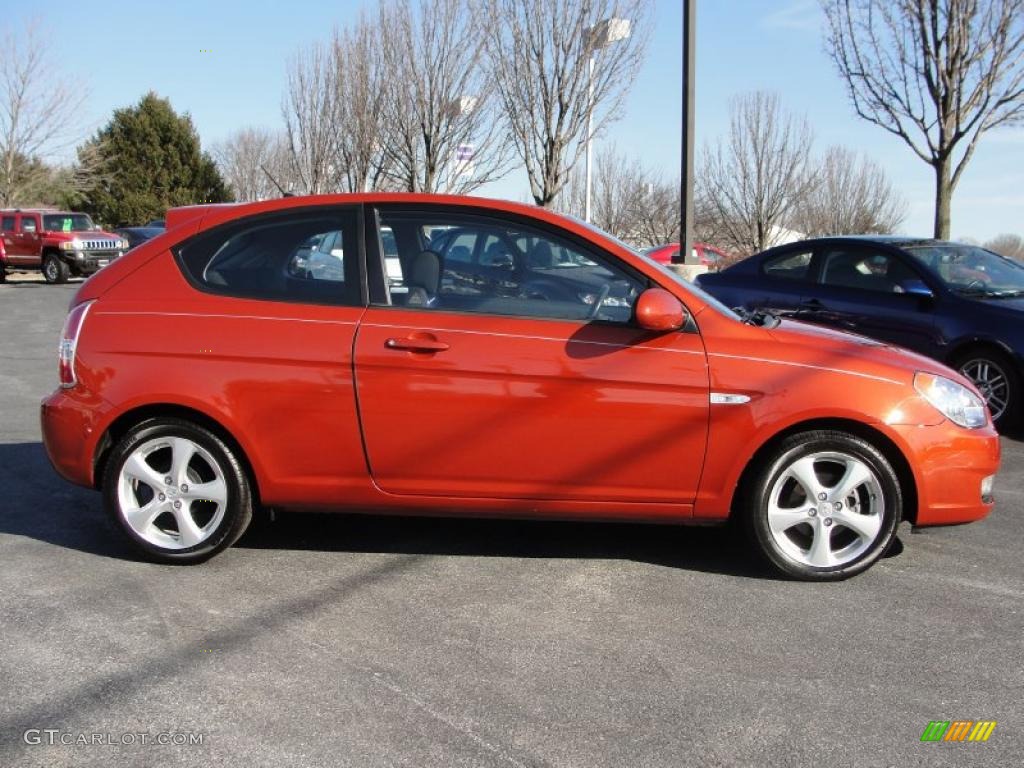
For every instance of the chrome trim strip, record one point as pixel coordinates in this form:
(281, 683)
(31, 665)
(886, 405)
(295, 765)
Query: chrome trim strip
(233, 317)
(532, 338)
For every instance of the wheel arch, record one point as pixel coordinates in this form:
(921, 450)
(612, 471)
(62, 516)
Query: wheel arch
(958, 349)
(877, 438)
(129, 419)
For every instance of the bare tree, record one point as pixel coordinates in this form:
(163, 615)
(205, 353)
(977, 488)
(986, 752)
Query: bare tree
(38, 106)
(751, 182)
(539, 54)
(619, 184)
(310, 112)
(443, 130)
(936, 74)
(1011, 246)
(628, 200)
(852, 195)
(254, 161)
(360, 78)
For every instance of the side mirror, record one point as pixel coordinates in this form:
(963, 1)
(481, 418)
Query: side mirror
(917, 288)
(659, 310)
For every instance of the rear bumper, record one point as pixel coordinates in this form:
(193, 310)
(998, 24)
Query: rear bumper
(69, 422)
(949, 465)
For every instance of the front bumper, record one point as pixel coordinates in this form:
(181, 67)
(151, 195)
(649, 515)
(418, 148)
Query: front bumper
(949, 464)
(90, 262)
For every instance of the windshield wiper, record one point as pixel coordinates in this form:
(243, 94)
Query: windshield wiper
(989, 294)
(759, 317)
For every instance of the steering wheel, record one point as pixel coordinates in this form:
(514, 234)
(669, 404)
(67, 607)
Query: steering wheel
(592, 315)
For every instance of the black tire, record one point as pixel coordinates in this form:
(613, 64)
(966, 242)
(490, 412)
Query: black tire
(3, 274)
(238, 508)
(55, 271)
(965, 361)
(755, 498)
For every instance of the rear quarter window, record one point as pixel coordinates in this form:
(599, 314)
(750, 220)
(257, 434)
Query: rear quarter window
(789, 266)
(299, 257)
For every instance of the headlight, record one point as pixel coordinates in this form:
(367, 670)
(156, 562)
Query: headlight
(122, 244)
(954, 401)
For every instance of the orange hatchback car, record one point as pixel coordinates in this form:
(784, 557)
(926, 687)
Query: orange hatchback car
(462, 356)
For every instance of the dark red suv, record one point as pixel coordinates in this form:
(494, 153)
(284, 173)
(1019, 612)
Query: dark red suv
(61, 244)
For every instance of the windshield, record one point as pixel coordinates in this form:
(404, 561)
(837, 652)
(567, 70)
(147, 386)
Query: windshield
(973, 271)
(67, 222)
(678, 279)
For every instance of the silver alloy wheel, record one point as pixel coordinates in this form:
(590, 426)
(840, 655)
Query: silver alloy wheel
(827, 522)
(172, 492)
(51, 269)
(991, 381)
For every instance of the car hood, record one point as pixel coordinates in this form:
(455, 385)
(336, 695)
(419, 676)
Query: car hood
(1015, 306)
(818, 346)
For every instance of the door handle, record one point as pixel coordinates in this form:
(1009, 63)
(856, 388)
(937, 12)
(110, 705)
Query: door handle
(413, 344)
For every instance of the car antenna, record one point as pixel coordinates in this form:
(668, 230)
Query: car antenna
(272, 179)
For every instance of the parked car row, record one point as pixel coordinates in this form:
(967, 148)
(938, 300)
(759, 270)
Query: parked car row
(707, 255)
(958, 304)
(448, 355)
(61, 244)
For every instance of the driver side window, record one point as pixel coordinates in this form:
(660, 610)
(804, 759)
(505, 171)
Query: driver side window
(514, 270)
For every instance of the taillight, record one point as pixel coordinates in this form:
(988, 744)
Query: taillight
(69, 344)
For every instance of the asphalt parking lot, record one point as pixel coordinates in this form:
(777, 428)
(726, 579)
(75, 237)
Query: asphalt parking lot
(358, 641)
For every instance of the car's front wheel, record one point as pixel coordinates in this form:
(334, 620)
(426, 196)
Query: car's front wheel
(54, 270)
(823, 505)
(998, 381)
(177, 491)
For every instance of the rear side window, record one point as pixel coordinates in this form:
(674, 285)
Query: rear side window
(310, 257)
(789, 266)
(28, 224)
(8, 224)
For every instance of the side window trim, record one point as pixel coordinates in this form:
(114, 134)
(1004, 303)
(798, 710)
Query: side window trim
(865, 250)
(471, 217)
(348, 217)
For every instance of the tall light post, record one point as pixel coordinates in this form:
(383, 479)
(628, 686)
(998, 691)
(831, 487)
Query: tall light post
(601, 35)
(686, 175)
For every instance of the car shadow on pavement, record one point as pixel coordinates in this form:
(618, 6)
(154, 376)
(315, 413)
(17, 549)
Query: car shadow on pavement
(38, 504)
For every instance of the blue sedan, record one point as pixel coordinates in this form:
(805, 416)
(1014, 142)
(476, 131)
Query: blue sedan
(959, 304)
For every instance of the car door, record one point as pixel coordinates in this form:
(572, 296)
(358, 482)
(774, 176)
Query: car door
(29, 247)
(870, 291)
(12, 243)
(497, 396)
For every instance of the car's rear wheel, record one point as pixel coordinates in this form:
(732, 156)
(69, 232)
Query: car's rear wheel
(55, 270)
(177, 491)
(823, 505)
(997, 380)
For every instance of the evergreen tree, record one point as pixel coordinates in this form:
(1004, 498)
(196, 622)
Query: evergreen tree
(149, 160)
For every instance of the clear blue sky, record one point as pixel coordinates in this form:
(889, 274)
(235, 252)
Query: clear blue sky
(120, 50)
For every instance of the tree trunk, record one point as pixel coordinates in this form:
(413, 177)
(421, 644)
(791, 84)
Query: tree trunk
(943, 196)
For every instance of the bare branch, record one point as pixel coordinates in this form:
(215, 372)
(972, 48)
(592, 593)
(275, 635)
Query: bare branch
(937, 74)
(38, 106)
(539, 54)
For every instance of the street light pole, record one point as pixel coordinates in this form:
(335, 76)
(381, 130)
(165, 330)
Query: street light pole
(590, 122)
(686, 175)
(601, 35)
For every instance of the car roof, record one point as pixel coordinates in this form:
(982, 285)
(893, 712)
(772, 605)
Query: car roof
(217, 213)
(894, 240)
